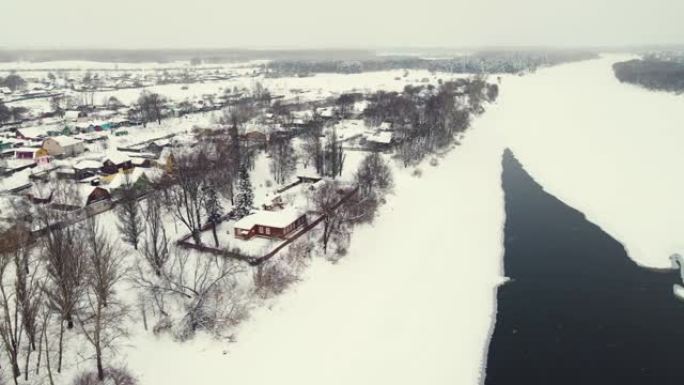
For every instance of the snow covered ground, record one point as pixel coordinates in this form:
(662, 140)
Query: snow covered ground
(412, 302)
(611, 150)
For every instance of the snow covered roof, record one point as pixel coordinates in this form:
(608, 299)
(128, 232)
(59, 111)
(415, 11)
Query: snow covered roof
(32, 132)
(277, 219)
(380, 137)
(87, 164)
(117, 157)
(15, 181)
(66, 141)
(120, 178)
(71, 115)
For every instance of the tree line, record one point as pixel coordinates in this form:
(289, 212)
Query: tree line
(476, 63)
(651, 73)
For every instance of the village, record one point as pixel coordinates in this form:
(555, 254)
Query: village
(226, 178)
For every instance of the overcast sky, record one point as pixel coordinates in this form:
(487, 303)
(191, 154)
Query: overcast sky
(341, 23)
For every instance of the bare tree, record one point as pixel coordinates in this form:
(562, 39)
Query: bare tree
(327, 202)
(186, 197)
(10, 327)
(333, 156)
(151, 105)
(29, 298)
(155, 245)
(374, 175)
(129, 214)
(63, 249)
(283, 159)
(102, 316)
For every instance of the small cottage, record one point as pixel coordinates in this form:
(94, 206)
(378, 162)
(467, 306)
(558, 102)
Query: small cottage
(271, 224)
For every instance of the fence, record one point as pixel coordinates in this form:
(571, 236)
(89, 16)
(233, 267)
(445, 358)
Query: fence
(255, 261)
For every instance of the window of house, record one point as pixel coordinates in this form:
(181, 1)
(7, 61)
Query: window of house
(268, 231)
(261, 230)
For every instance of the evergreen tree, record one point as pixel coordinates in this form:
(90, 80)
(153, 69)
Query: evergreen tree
(245, 196)
(213, 207)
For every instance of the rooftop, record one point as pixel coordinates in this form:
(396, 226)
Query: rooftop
(278, 219)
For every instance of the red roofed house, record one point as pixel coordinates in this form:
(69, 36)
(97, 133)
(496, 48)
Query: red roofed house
(273, 224)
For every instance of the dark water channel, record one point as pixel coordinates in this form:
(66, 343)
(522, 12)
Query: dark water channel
(577, 310)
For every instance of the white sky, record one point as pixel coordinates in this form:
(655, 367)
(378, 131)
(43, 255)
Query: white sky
(341, 23)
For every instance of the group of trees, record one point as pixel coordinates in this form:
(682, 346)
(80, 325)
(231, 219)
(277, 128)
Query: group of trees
(283, 158)
(652, 73)
(325, 152)
(13, 81)
(492, 61)
(426, 118)
(9, 114)
(61, 283)
(343, 207)
(151, 107)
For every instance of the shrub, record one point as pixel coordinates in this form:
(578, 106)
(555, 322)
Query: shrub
(113, 376)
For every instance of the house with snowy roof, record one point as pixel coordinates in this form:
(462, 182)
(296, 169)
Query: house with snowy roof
(271, 224)
(63, 146)
(32, 133)
(115, 161)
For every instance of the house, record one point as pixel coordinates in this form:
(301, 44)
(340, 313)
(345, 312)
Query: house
(272, 224)
(32, 133)
(94, 194)
(71, 115)
(15, 183)
(59, 131)
(87, 168)
(86, 195)
(158, 145)
(115, 161)
(381, 139)
(134, 177)
(254, 137)
(4, 145)
(66, 173)
(63, 146)
(141, 162)
(30, 153)
(40, 193)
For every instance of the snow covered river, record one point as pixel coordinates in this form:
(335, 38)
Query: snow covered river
(415, 300)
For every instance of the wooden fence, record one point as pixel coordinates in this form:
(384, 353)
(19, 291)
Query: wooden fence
(255, 261)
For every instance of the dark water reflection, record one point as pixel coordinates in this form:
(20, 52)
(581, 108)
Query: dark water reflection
(577, 310)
